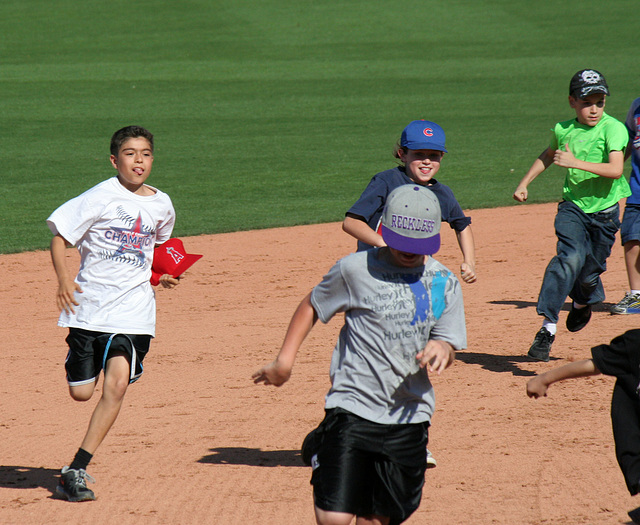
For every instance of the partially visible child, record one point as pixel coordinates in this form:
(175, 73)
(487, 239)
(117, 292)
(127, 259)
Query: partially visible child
(591, 147)
(109, 307)
(621, 359)
(403, 317)
(630, 228)
(420, 149)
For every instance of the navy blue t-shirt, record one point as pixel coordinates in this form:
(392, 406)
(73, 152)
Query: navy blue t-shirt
(371, 203)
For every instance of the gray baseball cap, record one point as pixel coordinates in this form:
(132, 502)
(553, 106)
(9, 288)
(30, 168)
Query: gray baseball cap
(411, 220)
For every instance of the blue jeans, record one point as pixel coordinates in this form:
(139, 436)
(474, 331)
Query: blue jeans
(584, 243)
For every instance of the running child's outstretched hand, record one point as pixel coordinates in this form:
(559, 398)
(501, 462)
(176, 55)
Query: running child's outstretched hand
(65, 297)
(275, 373)
(278, 372)
(467, 273)
(537, 387)
(438, 355)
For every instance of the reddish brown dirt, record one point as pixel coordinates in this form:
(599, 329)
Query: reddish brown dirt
(198, 442)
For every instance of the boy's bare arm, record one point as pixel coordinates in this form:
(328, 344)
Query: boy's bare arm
(538, 386)
(543, 161)
(468, 249)
(360, 230)
(65, 298)
(278, 372)
(610, 170)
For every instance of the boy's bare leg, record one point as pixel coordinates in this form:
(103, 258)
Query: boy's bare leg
(116, 381)
(631, 253)
(326, 517)
(372, 520)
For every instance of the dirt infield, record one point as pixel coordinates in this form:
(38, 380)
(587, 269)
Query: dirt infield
(198, 442)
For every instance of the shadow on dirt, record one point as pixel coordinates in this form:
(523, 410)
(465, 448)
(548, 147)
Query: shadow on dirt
(14, 477)
(253, 457)
(498, 363)
(599, 307)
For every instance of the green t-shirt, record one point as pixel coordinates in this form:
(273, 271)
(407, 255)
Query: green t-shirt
(590, 192)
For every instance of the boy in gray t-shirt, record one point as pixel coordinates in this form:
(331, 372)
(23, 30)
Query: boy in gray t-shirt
(404, 316)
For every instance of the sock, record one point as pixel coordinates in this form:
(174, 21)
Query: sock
(81, 460)
(634, 292)
(578, 306)
(550, 327)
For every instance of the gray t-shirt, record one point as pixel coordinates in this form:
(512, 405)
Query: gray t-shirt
(390, 315)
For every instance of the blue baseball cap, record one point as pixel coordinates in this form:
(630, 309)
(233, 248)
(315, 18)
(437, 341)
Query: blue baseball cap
(423, 134)
(411, 220)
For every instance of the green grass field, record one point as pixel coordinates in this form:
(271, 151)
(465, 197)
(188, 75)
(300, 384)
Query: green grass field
(278, 112)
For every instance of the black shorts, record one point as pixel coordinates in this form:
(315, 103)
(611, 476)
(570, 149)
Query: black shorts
(89, 351)
(366, 468)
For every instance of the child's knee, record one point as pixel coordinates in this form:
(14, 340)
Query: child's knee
(82, 392)
(117, 375)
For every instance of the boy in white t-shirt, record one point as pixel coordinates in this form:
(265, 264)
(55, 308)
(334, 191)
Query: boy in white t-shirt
(109, 307)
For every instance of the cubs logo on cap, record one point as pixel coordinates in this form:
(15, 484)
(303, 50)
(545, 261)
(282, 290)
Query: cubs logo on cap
(171, 257)
(411, 220)
(423, 134)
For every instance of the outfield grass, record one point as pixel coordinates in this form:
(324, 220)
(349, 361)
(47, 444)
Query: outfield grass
(278, 112)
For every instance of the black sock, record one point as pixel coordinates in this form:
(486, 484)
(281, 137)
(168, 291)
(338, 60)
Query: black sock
(81, 460)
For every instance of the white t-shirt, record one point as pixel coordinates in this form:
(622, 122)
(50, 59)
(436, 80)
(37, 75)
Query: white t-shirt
(115, 232)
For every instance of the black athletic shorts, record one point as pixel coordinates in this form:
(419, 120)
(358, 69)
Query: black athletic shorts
(89, 351)
(366, 468)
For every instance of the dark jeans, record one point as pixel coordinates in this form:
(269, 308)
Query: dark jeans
(584, 243)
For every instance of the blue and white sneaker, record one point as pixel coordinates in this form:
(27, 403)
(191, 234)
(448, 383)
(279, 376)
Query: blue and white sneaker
(630, 304)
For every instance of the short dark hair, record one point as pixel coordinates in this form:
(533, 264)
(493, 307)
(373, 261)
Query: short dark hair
(126, 133)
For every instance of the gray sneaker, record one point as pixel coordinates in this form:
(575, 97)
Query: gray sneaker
(629, 304)
(541, 347)
(73, 485)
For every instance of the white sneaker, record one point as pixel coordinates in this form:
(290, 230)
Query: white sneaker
(431, 461)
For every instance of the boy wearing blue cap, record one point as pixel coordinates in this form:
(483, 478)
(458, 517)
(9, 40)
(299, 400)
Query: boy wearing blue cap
(403, 318)
(591, 147)
(420, 149)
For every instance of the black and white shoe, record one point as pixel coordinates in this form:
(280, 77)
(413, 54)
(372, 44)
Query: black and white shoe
(578, 318)
(73, 485)
(541, 347)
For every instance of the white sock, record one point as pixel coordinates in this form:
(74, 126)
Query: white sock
(578, 306)
(634, 292)
(549, 326)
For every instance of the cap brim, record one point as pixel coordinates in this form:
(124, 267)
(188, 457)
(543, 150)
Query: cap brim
(427, 246)
(185, 264)
(425, 145)
(588, 90)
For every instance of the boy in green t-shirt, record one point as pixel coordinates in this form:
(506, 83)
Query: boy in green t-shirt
(591, 147)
